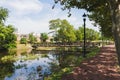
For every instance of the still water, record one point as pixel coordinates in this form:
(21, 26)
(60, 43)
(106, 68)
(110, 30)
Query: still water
(35, 65)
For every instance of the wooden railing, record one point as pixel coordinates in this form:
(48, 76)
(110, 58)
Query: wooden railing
(74, 44)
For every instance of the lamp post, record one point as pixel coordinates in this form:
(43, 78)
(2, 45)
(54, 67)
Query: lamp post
(84, 20)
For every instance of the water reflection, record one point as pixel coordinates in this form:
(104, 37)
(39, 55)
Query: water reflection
(35, 65)
(6, 69)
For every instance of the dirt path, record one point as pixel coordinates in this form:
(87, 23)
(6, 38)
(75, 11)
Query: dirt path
(101, 67)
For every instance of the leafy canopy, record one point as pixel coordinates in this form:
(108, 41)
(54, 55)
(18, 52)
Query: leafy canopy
(99, 12)
(23, 41)
(44, 37)
(7, 36)
(65, 32)
(32, 38)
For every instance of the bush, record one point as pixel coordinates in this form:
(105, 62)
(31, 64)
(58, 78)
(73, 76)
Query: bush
(23, 41)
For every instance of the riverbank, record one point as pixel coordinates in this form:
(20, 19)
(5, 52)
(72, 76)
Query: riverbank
(73, 62)
(46, 48)
(23, 46)
(101, 67)
(20, 48)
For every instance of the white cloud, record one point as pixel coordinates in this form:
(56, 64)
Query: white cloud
(27, 25)
(22, 7)
(34, 16)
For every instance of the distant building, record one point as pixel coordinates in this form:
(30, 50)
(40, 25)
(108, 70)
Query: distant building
(19, 36)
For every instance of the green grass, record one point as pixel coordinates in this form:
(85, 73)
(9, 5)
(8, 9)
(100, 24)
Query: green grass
(57, 75)
(45, 48)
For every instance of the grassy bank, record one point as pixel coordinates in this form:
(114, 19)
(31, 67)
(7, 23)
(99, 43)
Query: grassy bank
(57, 75)
(23, 46)
(46, 48)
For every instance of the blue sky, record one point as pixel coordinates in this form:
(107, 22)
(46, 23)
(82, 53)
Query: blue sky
(34, 15)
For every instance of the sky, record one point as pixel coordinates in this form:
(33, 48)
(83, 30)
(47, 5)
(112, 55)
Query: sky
(34, 15)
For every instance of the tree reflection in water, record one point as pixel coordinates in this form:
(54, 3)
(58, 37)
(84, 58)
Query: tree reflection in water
(6, 69)
(26, 66)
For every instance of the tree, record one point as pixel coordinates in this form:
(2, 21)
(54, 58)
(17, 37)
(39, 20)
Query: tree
(64, 31)
(3, 15)
(79, 34)
(7, 36)
(32, 38)
(54, 24)
(23, 41)
(90, 34)
(106, 9)
(43, 37)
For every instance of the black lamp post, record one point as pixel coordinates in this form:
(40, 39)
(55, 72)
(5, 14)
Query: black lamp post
(84, 19)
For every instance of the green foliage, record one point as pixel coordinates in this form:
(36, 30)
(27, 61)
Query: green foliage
(54, 24)
(30, 57)
(99, 11)
(64, 32)
(93, 52)
(51, 40)
(7, 70)
(7, 36)
(3, 15)
(92, 34)
(9, 58)
(10, 45)
(44, 55)
(69, 60)
(58, 75)
(44, 37)
(23, 41)
(79, 34)
(12, 51)
(32, 38)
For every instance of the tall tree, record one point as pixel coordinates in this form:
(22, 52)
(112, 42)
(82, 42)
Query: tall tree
(64, 31)
(79, 34)
(3, 14)
(90, 34)
(7, 36)
(54, 24)
(32, 38)
(106, 9)
(23, 40)
(43, 37)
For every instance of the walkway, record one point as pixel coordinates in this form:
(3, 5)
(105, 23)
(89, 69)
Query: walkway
(101, 67)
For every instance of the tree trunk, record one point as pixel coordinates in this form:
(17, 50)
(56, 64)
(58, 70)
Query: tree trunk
(115, 13)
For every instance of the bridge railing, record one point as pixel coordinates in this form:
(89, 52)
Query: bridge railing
(67, 44)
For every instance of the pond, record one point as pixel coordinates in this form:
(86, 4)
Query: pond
(35, 65)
